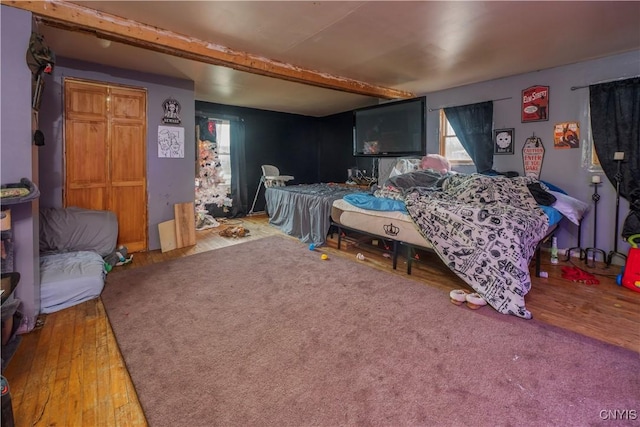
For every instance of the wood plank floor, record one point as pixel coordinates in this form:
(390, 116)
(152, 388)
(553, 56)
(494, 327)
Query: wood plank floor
(69, 372)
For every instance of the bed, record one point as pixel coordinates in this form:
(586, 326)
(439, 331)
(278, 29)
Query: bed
(484, 228)
(67, 279)
(73, 244)
(304, 211)
(395, 226)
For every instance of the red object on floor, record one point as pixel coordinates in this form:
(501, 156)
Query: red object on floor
(631, 276)
(580, 276)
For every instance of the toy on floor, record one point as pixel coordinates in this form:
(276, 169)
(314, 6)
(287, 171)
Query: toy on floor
(234, 231)
(630, 276)
(117, 258)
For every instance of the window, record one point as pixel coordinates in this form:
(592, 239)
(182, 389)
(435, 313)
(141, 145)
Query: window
(223, 138)
(450, 146)
(590, 159)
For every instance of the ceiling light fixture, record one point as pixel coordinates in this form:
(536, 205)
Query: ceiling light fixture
(104, 42)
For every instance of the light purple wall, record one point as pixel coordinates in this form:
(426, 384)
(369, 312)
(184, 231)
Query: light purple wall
(169, 181)
(19, 155)
(560, 167)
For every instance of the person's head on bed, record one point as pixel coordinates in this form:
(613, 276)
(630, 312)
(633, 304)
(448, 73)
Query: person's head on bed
(435, 162)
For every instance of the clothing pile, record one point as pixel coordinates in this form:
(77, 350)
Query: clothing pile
(578, 275)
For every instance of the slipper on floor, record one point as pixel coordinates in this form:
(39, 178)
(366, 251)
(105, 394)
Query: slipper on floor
(458, 296)
(475, 301)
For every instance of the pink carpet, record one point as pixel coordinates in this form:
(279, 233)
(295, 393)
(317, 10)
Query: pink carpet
(265, 333)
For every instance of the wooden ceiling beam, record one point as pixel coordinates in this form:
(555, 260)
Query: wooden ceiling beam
(74, 17)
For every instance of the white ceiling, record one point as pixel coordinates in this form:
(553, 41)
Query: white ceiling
(421, 46)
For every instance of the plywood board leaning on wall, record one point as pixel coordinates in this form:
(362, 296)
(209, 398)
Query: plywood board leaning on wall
(185, 224)
(167, 232)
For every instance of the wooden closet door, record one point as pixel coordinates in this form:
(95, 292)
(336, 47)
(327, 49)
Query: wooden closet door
(128, 192)
(86, 156)
(105, 132)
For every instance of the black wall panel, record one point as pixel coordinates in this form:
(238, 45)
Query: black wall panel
(309, 148)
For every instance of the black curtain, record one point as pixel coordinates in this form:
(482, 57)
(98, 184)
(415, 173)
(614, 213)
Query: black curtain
(473, 126)
(239, 191)
(615, 126)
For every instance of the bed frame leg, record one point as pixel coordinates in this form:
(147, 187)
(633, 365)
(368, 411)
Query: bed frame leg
(409, 259)
(538, 253)
(395, 254)
(339, 236)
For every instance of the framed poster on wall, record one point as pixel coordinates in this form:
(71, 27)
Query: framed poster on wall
(170, 142)
(503, 141)
(566, 135)
(535, 104)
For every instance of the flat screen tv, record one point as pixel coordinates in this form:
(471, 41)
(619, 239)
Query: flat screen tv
(393, 129)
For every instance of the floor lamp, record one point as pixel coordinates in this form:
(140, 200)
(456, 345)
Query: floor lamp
(595, 182)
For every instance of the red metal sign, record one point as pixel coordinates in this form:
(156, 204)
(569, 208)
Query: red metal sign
(535, 104)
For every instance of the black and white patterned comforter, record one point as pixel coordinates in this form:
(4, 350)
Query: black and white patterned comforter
(486, 229)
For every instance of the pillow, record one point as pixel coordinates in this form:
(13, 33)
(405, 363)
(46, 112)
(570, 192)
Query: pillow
(435, 162)
(572, 209)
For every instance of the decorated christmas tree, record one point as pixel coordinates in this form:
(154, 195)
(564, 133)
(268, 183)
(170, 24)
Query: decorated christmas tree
(210, 188)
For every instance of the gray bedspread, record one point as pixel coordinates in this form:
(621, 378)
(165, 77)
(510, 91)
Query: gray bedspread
(304, 211)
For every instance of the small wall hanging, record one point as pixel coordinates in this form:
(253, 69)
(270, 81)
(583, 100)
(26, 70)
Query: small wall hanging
(532, 156)
(40, 60)
(503, 141)
(171, 109)
(535, 104)
(566, 135)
